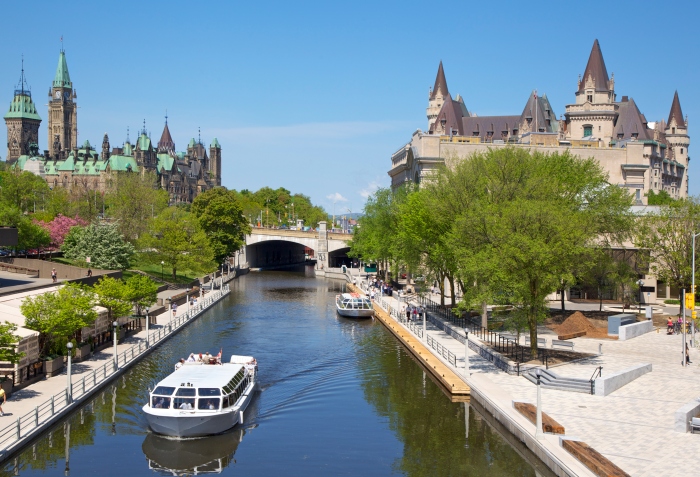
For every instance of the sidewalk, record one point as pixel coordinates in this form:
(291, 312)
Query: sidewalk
(633, 426)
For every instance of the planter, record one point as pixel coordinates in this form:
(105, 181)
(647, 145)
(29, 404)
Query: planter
(83, 352)
(53, 366)
(7, 386)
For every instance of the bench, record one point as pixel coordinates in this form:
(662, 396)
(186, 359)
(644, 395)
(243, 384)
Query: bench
(566, 344)
(540, 341)
(530, 412)
(694, 424)
(592, 459)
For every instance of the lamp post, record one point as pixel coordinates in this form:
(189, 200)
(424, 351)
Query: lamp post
(640, 282)
(692, 312)
(147, 322)
(466, 353)
(187, 297)
(69, 388)
(115, 332)
(170, 307)
(538, 431)
(161, 270)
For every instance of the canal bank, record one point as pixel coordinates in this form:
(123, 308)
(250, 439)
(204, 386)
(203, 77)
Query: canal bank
(496, 400)
(40, 405)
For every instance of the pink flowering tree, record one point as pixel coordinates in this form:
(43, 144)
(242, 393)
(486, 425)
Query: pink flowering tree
(59, 227)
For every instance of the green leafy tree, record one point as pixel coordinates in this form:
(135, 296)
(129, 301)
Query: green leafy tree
(177, 238)
(8, 343)
(221, 217)
(59, 316)
(132, 200)
(662, 198)
(21, 189)
(112, 294)
(29, 234)
(140, 291)
(103, 243)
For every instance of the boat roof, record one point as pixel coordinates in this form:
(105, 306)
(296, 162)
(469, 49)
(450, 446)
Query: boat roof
(348, 296)
(204, 376)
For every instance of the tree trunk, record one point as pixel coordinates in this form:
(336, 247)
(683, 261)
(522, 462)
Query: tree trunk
(174, 274)
(563, 308)
(532, 319)
(484, 315)
(441, 284)
(600, 297)
(452, 290)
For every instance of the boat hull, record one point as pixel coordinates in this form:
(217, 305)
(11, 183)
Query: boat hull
(349, 313)
(197, 423)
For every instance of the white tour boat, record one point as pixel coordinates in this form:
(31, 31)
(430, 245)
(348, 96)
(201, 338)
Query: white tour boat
(202, 399)
(354, 305)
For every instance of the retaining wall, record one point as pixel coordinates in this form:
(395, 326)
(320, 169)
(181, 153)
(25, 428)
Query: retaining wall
(627, 332)
(608, 384)
(682, 415)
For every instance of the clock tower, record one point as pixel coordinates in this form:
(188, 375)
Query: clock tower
(63, 112)
(22, 123)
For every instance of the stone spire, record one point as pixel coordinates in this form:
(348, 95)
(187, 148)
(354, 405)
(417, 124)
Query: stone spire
(440, 84)
(595, 69)
(166, 143)
(676, 112)
(62, 78)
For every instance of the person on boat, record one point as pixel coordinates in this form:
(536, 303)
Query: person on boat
(207, 358)
(200, 359)
(191, 358)
(179, 364)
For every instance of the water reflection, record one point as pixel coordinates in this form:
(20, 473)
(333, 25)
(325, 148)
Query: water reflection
(209, 455)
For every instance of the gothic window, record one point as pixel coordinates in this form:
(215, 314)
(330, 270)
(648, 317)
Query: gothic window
(589, 98)
(673, 130)
(587, 130)
(681, 150)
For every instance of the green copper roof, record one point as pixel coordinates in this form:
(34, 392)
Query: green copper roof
(62, 79)
(122, 163)
(128, 151)
(215, 143)
(165, 161)
(144, 142)
(86, 145)
(192, 143)
(67, 165)
(22, 107)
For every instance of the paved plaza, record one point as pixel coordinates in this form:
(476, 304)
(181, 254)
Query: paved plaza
(633, 426)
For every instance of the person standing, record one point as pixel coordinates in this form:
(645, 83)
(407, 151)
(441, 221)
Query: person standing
(4, 400)
(687, 355)
(53, 275)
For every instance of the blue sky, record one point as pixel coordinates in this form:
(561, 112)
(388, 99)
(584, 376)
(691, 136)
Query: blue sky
(316, 96)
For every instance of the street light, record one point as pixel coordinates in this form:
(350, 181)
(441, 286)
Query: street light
(147, 320)
(161, 270)
(115, 331)
(187, 295)
(69, 388)
(640, 282)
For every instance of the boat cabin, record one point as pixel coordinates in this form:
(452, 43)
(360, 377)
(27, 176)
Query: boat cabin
(353, 301)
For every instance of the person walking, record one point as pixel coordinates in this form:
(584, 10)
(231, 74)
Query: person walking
(4, 400)
(687, 354)
(53, 275)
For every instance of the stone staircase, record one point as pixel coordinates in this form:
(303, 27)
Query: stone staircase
(550, 380)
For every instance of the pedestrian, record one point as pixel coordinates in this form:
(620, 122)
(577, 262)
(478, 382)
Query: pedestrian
(408, 313)
(53, 275)
(179, 364)
(415, 313)
(687, 354)
(174, 309)
(89, 272)
(4, 399)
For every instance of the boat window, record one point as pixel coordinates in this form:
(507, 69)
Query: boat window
(183, 403)
(210, 404)
(164, 390)
(186, 392)
(226, 401)
(159, 402)
(209, 392)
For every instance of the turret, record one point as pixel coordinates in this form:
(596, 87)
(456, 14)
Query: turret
(63, 112)
(437, 96)
(215, 161)
(678, 139)
(22, 122)
(105, 148)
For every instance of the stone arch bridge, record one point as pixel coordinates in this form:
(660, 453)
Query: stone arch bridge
(272, 248)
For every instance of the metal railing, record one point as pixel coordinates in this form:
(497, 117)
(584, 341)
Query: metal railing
(596, 374)
(44, 412)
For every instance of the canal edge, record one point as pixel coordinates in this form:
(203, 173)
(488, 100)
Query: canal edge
(16, 447)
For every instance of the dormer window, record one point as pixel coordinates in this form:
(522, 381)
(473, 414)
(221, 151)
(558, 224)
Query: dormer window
(673, 130)
(620, 135)
(635, 135)
(589, 97)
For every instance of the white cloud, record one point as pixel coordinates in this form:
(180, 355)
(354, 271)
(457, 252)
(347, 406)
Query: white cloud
(369, 190)
(336, 197)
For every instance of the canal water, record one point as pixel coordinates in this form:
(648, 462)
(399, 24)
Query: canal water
(337, 397)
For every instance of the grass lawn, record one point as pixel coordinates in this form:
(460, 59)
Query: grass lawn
(183, 276)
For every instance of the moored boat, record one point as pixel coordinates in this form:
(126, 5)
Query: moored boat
(201, 399)
(354, 305)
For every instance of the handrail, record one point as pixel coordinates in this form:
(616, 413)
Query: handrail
(599, 372)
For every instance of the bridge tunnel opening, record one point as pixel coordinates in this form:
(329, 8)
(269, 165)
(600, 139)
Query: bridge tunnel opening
(276, 254)
(338, 258)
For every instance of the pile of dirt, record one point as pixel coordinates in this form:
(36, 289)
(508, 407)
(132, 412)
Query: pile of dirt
(576, 323)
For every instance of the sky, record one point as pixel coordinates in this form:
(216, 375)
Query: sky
(316, 96)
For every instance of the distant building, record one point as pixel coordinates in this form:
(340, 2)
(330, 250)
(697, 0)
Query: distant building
(65, 164)
(638, 155)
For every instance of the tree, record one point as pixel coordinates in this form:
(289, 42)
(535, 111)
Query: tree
(221, 217)
(59, 227)
(176, 238)
(29, 234)
(59, 316)
(103, 243)
(662, 198)
(20, 189)
(140, 291)
(667, 235)
(8, 343)
(112, 294)
(133, 199)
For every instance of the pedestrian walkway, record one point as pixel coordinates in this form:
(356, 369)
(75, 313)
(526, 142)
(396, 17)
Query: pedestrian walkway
(633, 427)
(41, 404)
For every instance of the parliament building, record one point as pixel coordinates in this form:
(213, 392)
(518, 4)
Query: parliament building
(68, 164)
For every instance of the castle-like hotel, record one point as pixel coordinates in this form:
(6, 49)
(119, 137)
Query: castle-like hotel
(66, 164)
(638, 155)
